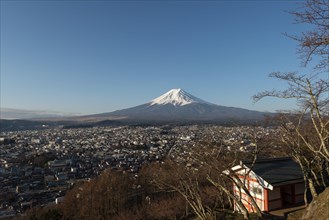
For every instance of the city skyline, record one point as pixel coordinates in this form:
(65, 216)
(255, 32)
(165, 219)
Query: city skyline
(86, 57)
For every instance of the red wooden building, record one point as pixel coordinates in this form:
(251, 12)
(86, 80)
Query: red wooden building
(273, 183)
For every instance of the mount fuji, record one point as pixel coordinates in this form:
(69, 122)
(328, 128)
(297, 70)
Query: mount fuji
(179, 106)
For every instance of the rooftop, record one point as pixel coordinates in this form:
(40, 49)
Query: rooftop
(277, 171)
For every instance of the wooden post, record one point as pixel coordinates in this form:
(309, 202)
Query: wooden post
(293, 194)
(281, 196)
(266, 199)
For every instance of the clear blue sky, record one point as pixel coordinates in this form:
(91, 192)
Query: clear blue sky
(99, 56)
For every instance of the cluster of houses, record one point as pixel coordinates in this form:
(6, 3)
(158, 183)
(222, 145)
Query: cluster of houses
(78, 154)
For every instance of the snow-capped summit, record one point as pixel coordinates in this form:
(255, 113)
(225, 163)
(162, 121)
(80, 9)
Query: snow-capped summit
(177, 97)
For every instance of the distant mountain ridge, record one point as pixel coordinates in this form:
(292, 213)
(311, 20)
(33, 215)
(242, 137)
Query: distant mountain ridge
(13, 113)
(178, 105)
(175, 106)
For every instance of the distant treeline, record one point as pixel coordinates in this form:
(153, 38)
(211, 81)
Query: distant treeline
(19, 125)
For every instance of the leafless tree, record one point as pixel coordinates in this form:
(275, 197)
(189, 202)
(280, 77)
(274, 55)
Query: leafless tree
(173, 177)
(101, 198)
(306, 131)
(223, 177)
(314, 42)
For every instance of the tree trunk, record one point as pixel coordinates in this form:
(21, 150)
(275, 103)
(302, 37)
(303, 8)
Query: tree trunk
(245, 215)
(237, 200)
(316, 178)
(305, 190)
(312, 188)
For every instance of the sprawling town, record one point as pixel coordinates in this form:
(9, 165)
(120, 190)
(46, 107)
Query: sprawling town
(37, 167)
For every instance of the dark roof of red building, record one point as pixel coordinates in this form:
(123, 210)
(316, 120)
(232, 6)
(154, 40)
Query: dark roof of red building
(277, 171)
